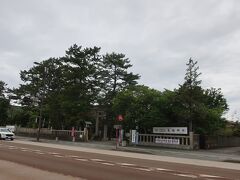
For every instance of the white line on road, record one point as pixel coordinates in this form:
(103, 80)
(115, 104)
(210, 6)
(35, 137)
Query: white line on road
(23, 148)
(108, 164)
(126, 164)
(97, 160)
(36, 150)
(59, 156)
(72, 156)
(53, 153)
(162, 169)
(39, 153)
(209, 176)
(78, 159)
(142, 169)
(186, 175)
(12, 148)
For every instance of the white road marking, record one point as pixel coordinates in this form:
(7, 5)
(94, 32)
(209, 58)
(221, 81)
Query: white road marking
(186, 175)
(72, 156)
(126, 164)
(24, 150)
(108, 164)
(36, 150)
(97, 160)
(59, 156)
(142, 169)
(53, 153)
(78, 159)
(39, 153)
(209, 176)
(12, 148)
(162, 169)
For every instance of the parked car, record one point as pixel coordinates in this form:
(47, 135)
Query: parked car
(5, 133)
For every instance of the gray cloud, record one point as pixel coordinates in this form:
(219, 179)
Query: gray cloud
(158, 37)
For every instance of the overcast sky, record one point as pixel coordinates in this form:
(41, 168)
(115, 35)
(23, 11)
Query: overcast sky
(158, 36)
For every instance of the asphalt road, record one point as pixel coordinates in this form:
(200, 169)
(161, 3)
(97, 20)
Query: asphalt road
(85, 165)
(12, 171)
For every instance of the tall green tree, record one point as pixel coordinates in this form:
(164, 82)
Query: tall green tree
(32, 94)
(190, 92)
(116, 75)
(81, 70)
(199, 109)
(4, 104)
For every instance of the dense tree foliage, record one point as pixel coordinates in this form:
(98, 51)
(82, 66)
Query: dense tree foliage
(64, 90)
(116, 76)
(4, 104)
(142, 108)
(201, 110)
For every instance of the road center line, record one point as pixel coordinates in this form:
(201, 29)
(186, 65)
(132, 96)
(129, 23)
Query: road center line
(72, 156)
(108, 164)
(59, 156)
(186, 175)
(162, 169)
(126, 164)
(97, 160)
(78, 159)
(36, 150)
(53, 153)
(12, 148)
(24, 150)
(142, 169)
(39, 153)
(209, 176)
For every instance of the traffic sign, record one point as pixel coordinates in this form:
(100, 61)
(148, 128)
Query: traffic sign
(119, 117)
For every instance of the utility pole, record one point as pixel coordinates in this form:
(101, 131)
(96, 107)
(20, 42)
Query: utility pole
(41, 103)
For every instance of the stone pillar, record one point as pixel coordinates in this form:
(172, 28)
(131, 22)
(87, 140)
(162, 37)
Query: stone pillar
(191, 134)
(105, 131)
(85, 134)
(97, 126)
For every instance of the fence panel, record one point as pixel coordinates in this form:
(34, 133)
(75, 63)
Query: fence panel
(170, 141)
(52, 133)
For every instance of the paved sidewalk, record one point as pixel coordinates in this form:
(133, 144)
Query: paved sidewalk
(221, 155)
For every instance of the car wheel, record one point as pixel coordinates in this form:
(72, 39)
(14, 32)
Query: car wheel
(0, 137)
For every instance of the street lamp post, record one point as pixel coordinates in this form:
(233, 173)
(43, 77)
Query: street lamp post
(41, 104)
